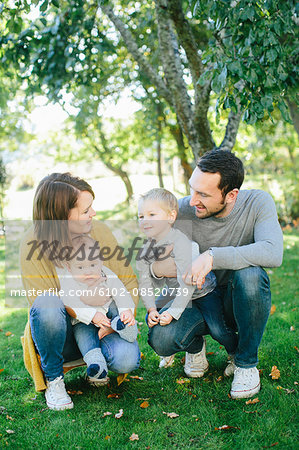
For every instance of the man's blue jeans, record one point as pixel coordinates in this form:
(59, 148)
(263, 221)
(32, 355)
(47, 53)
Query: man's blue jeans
(246, 300)
(52, 333)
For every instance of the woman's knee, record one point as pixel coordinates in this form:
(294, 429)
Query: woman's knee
(48, 309)
(122, 356)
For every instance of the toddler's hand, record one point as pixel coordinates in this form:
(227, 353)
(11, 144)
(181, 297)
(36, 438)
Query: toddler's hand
(127, 317)
(100, 319)
(153, 318)
(165, 318)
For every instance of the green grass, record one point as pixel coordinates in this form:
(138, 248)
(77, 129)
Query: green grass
(202, 405)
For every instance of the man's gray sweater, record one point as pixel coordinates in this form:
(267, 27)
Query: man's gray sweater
(249, 236)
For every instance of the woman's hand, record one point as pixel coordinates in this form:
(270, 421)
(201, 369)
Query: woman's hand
(165, 318)
(127, 317)
(153, 317)
(101, 320)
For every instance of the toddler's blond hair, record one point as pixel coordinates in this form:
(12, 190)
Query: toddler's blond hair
(166, 199)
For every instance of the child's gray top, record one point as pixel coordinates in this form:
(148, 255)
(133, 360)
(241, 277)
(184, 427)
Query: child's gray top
(249, 236)
(184, 251)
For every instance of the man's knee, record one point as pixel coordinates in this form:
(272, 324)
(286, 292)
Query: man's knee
(251, 280)
(160, 341)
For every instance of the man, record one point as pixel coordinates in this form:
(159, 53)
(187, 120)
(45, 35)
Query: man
(238, 234)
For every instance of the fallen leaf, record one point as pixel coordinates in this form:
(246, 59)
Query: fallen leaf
(8, 333)
(296, 348)
(292, 328)
(142, 399)
(172, 415)
(142, 356)
(272, 445)
(107, 438)
(121, 378)
(183, 380)
(113, 396)
(226, 427)
(107, 413)
(272, 310)
(10, 431)
(275, 373)
(134, 437)
(210, 353)
(1, 370)
(252, 402)
(119, 414)
(9, 417)
(144, 405)
(219, 379)
(75, 392)
(135, 377)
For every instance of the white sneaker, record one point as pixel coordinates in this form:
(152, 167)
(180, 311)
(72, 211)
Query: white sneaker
(231, 366)
(56, 396)
(97, 382)
(196, 364)
(246, 383)
(166, 361)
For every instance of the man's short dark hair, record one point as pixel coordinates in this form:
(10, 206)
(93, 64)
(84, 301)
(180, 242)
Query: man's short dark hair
(229, 167)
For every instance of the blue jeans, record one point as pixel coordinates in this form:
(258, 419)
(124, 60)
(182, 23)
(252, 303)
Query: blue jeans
(246, 301)
(52, 333)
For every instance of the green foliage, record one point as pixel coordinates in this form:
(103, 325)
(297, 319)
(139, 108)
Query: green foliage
(254, 42)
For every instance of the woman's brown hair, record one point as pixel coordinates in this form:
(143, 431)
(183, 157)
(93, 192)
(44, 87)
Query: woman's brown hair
(55, 196)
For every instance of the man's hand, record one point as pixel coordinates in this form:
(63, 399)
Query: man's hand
(201, 266)
(153, 317)
(165, 318)
(101, 320)
(127, 317)
(166, 267)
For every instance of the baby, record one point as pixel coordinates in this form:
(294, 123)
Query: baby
(157, 212)
(85, 277)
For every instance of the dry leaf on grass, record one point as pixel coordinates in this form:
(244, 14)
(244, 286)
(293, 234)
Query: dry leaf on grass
(144, 404)
(8, 333)
(219, 379)
(75, 392)
(252, 402)
(292, 328)
(272, 310)
(113, 396)
(121, 378)
(119, 414)
(136, 377)
(172, 415)
(134, 437)
(9, 417)
(10, 431)
(107, 438)
(183, 380)
(1, 370)
(275, 373)
(107, 413)
(226, 427)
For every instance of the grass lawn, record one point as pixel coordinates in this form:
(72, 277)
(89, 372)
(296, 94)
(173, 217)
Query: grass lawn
(203, 405)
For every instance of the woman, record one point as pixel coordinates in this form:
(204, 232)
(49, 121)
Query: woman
(63, 209)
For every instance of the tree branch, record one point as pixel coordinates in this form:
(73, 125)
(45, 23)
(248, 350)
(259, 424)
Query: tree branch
(130, 42)
(231, 131)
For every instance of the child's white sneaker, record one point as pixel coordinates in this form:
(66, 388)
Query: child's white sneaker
(56, 396)
(246, 383)
(166, 361)
(231, 366)
(196, 364)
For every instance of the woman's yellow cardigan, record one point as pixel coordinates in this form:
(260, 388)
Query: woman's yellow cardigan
(41, 275)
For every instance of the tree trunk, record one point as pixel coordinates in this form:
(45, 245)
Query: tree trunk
(293, 107)
(177, 134)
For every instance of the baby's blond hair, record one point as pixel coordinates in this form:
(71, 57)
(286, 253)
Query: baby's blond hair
(166, 199)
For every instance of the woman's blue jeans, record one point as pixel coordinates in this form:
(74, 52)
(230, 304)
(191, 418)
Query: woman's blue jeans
(246, 301)
(52, 333)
